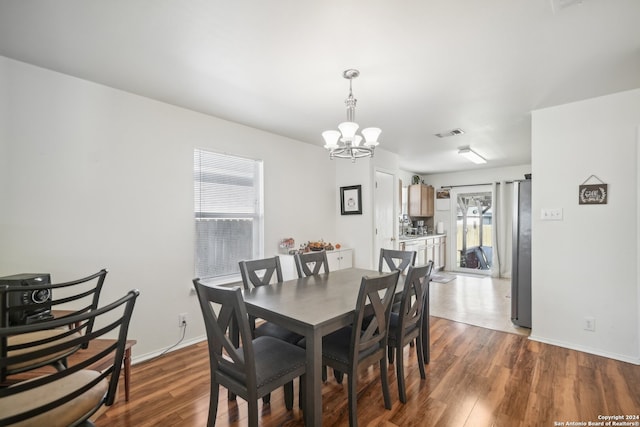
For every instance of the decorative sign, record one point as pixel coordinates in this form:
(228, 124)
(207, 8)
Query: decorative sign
(593, 194)
(443, 193)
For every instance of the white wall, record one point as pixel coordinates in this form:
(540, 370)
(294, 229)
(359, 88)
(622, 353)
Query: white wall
(94, 177)
(354, 231)
(587, 264)
(357, 231)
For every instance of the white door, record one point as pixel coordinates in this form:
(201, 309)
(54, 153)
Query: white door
(384, 210)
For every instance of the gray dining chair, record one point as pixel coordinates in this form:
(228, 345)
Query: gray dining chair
(354, 346)
(260, 273)
(396, 260)
(252, 370)
(405, 326)
(310, 263)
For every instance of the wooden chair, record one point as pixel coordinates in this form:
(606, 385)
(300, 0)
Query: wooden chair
(405, 326)
(252, 370)
(353, 346)
(83, 292)
(310, 263)
(396, 260)
(71, 396)
(260, 273)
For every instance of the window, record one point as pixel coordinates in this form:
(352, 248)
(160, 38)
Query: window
(228, 213)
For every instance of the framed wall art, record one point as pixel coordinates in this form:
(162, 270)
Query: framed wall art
(351, 200)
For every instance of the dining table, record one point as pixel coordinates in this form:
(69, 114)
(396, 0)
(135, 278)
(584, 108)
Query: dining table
(315, 306)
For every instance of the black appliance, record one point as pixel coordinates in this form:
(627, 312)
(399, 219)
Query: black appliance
(37, 302)
(521, 255)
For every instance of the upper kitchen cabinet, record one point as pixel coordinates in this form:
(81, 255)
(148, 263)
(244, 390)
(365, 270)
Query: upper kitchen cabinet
(421, 200)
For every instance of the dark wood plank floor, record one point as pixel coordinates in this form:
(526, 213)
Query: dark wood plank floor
(476, 377)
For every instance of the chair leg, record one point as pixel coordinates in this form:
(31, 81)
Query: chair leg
(266, 399)
(390, 354)
(288, 395)
(353, 399)
(338, 376)
(425, 337)
(400, 375)
(324, 373)
(252, 404)
(385, 382)
(421, 360)
(213, 404)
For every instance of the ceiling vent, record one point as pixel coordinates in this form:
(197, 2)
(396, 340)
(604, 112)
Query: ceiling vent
(558, 5)
(453, 132)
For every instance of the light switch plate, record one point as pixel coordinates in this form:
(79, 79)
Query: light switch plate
(551, 214)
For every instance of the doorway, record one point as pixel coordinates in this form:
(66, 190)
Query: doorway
(473, 230)
(384, 213)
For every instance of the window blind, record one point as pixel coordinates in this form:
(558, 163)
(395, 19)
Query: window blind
(228, 212)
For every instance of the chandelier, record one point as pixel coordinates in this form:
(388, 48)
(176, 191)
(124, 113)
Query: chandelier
(345, 143)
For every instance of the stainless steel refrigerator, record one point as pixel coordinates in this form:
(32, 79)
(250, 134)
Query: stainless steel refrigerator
(521, 255)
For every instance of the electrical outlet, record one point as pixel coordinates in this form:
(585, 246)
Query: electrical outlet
(590, 324)
(182, 320)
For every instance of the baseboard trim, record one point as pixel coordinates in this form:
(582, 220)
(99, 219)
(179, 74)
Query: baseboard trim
(148, 356)
(597, 352)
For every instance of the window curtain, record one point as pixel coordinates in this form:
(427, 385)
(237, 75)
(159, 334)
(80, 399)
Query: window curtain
(501, 233)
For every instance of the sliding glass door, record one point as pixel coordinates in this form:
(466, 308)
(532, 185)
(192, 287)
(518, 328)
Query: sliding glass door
(472, 215)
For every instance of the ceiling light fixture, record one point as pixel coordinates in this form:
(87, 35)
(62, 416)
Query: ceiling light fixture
(471, 155)
(345, 144)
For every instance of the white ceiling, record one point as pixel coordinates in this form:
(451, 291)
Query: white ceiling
(427, 66)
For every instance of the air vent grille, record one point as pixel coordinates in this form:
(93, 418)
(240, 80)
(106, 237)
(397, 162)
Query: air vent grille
(558, 5)
(452, 132)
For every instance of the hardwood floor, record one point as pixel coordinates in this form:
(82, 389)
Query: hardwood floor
(476, 377)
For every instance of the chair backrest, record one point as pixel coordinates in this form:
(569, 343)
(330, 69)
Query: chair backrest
(310, 263)
(368, 341)
(75, 393)
(225, 358)
(414, 297)
(259, 272)
(82, 295)
(396, 260)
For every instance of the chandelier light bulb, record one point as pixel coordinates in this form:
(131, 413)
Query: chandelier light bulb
(331, 138)
(371, 136)
(348, 130)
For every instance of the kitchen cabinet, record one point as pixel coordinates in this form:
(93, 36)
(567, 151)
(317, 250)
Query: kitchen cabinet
(339, 259)
(421, 200)
(432, 247)
(419, 246)
(436, 251)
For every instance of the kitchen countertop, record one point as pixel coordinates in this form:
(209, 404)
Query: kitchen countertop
(423, 236)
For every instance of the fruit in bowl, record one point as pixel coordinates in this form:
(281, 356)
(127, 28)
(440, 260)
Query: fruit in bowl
(319, 246)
